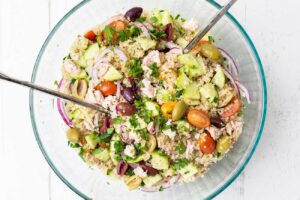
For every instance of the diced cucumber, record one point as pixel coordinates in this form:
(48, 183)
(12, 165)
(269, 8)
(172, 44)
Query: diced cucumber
(146, 43)
(92, 140)
(101, 154)
(81, 75)
(219, 78)
(163, 17)
(209, 91)
(152, 180)
(81, 62)
(182, 42)
(163, 95)
(194, 66)
(114, 156)
(188, 171)
(153, 108)
(183, 126)
(169, 172)
(191, 92)
(182, 80)
(159, 160)
(112, 75)
(92, 51)
(139, 158)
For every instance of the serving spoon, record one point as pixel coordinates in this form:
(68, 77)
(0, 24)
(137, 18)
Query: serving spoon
(99, 108)
(214, 20)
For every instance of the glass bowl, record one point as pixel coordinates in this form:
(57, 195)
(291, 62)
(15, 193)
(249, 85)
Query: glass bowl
(49, 128)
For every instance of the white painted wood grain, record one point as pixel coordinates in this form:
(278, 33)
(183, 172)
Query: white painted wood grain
(273, 172)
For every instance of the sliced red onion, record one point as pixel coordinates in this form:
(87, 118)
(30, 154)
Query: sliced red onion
(244, 91)
(103, 53)
(230, 60)
(121, 55)
(171, 45)
(61, 108)
(148, 25)
(176, 50)
(143, 28)
(111, 19)
(233, 81)
(118, 93)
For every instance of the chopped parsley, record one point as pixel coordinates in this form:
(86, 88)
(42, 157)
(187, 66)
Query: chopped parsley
(118, 120)
(141, 19)
(129, 172)
(154, 69)
(97, 151)
(177, 16)
(118, 146)
(161, 189)
(179, 164)
(133, 120)
(145, 114)
(107, 135)
(56, 83)
(153, 19)
(181, 147)
(108, 171)
(133, 31)
(81, 151)
(72, 145)
(109, 32)
(178, 94)
(157, 34)
(67, 57)
(161, 123)
(73, 80)
(211, 39)
(135, 67)
(143, 134)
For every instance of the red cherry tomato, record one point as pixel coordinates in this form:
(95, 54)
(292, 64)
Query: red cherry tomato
(107, 88)
(232, 108)
(90, 35)
(207, 143)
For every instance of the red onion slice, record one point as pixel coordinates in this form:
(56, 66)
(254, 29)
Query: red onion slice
(118, 93)
(230, 60)
(61, 108)
(233, 81)
(244, 91)
(143, 28)
(121, 55)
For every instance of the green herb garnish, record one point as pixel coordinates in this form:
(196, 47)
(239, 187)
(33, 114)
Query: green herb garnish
(154, 69)
(157, 34)
(181, 147)
(108, 171)
(141, 19)
(179, 164)
(118, 120)
(135, 67)
(109, 32)
(211, 39)
(133, 121)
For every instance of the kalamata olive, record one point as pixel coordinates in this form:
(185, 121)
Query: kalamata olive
(179, 110)
(223, 144)
(134, 86)
(133, 182)
(122, 168)
(128, 94)
(169, 31)
(217, 122)
(73, 135)
(125, 109)
(148, 169)
(133, 13)
(106, 124)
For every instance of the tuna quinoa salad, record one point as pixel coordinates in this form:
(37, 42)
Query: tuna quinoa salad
(172, 115)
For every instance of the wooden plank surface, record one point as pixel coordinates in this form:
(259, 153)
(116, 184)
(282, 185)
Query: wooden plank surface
(273, 172)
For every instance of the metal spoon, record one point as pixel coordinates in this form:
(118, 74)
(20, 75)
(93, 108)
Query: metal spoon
(54, 93)
(215, 19)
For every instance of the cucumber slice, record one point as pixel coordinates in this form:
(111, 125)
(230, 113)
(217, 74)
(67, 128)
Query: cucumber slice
(114, 156)
(101, 154)
(92, 140)
(194, 66)
(159, 160)
(152, 180)
(146, 43)
(182, 80)
(219, 78)
(209, 91)
(188, 171)
(163, 95)
(139, 158)
(81, 62)
(81, 75)
(191, 92)
(169, 172)
(153, 108)
(112, 75)
(182, 42)
(92, 51)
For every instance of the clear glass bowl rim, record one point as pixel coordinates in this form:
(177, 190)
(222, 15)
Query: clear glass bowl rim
(231, 179)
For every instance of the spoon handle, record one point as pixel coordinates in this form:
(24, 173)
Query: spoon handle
(215, 19)
(53, 93)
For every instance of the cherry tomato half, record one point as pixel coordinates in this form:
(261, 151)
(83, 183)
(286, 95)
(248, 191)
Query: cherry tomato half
(232, 108)
(107, 88)
(198, 118)
(206, 143)
(90, 35)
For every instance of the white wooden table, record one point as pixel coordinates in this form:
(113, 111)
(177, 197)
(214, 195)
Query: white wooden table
(273, 172)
